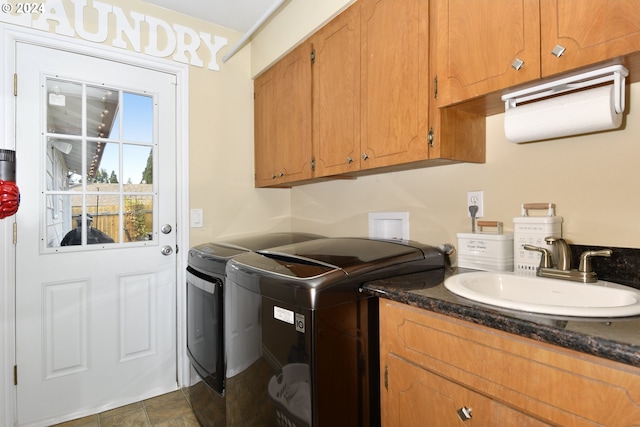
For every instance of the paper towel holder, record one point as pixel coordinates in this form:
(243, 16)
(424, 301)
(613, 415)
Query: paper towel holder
(615, 73)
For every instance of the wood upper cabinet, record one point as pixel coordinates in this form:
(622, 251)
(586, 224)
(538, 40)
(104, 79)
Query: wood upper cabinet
(434, 365)
(484, 46)
(589, 31)
(356, 96)
(336, 95)
(480, 44)
(395, 77)
(282, 115)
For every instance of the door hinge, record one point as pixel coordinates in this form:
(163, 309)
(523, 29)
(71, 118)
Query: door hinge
(313, 56)
(15, 233)
(15, 374)
(386, 377)
(435, 87)
(15, 84)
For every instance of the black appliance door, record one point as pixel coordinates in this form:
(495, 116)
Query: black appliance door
(205, 327)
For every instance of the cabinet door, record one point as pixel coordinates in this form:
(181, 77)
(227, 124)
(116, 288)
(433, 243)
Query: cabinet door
(265, 131)
(336, 95)
(394, 82)
(477, 43)
(417, 397)
(283, 120)
(590, 31)
(294, 104)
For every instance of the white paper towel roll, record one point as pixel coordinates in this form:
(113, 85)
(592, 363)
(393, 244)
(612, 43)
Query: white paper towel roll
(577, 113)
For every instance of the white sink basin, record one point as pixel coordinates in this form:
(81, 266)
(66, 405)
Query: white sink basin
(546, 296)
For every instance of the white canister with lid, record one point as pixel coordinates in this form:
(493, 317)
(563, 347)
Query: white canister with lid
(533, 230)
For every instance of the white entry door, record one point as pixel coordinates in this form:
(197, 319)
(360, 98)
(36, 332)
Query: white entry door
(95, 252)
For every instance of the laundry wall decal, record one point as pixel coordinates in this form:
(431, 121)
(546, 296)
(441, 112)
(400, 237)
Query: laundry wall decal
(100, 22)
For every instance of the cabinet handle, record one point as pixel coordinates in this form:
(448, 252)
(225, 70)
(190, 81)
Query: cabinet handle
(558, 51)
(349, 160)
(281, 174)
(517, 64)
(365, 156)
(273, 176)
(465, 413)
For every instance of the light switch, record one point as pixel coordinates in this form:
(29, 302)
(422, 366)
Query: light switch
(196, 218)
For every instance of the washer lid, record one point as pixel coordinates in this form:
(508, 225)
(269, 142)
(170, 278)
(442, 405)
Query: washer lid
(326, 272)
(352, 255)
(212, 257)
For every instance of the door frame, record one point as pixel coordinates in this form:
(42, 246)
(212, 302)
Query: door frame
(9, 35)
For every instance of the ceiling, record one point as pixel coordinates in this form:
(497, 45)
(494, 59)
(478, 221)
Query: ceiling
(238, 15)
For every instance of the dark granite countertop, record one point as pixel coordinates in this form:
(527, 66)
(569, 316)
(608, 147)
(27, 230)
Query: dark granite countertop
(616, 339)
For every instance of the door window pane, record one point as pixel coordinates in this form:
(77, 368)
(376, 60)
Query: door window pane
(103, 218)
(102, 107)
(64, 107)
(138, 218)
(137, 123)
(104, 164)
(137, 165)
(58, 218)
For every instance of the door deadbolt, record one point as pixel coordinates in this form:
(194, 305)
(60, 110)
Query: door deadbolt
(166, 228)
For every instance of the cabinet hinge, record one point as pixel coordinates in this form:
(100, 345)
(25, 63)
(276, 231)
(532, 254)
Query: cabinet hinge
(386, 377)
(15, 84)
(435, 87)
(431, 137)
(313, 163)
(15, 233)
(15, 374)
(313, 56)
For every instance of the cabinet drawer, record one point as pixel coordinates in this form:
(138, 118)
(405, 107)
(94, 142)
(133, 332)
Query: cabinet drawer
(420, 397)
(556, 385)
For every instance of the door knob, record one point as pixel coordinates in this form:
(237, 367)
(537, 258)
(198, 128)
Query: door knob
(166, 250)
(166, 228)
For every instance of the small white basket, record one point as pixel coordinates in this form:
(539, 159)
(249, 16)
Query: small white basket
(486, 251)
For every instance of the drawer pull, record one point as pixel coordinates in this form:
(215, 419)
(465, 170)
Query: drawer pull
(464, 413)
(517, 64)
(558, 51)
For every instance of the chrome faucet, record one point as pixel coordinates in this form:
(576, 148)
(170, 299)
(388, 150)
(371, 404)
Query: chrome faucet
(563, 270)
(562, 250)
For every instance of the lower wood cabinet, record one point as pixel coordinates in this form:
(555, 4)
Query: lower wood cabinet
(440, 371)
(418, 397)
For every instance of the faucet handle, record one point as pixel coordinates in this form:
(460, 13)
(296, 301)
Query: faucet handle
(545, 258)
(585, 259)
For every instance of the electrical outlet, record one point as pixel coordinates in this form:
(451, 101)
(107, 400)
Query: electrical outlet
(476, 198)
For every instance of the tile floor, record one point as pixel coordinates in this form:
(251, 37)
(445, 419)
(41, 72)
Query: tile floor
(168, 410)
